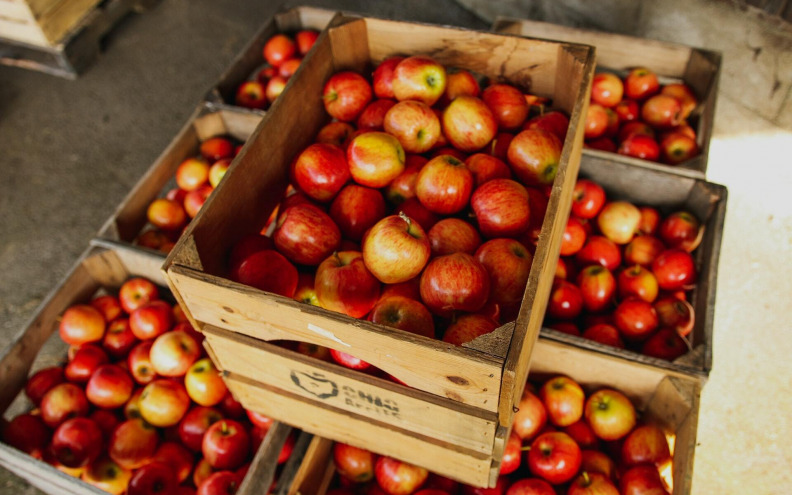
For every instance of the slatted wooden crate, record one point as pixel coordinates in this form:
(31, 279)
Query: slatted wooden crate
(669, 402)
(668, 192)
(697, 67)
(251, 57)
(41, 22)
(97, 269)
(458, 407)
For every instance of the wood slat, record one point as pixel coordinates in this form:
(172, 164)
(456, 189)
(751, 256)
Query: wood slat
(316, 469)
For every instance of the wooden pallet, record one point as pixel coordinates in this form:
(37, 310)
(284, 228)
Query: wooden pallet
(78, 49)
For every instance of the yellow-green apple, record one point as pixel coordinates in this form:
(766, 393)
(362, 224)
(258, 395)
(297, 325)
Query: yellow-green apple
(414, 124)
(468, 327)
(353, 463)
(173, 353)
(278, 49)
(177, 456)
(306, 235)
(596, 461)
(403, 313)
(419, 78)
(676, 148)
(534, 155)
(344, 284)
(110, 387)
(684, 94)
(627, 110)
(336, 133)
(320, 171)
(555, 122)
(531, 416)
(592, 484)
(63, 401)
(395, 249)
(375, 159)
(275, 87)
(226, 444)
(607, 89)
(486, 168)
(597, 286)
(636, 319)
(665, 344)
(563, 399)
(444, 185)
(502, 208)
(305, 39)
(345, 95)
(618, 221)
(642, 480)
(106, 475)
(469, 124)
(153, 479)
(216, 148)
(459, 83)
(192, 173)
(640, 84)
(661, 111)
(373, 116)
(643, 250)
(267, 270)
(454, 282)
(397, 477)
(402, 187)
(604, 334)
(81, 324)
(610, 414)
(637, 281)
(596, 122)
(554, 457)
(118, 339)
(507, 104)
(383, 75)
(508, 264)
(204, 384)
(28, 433)
(164, 402)
(356, 209)
(530, 486)
(306, 293)
(151, 320)
(139, 363)
(194, 424)
(588, 197)
(413, 208)
(84, 362)
(646, 444)
(676, 314)
(77, 442)
(452, 235)
(108, 305)
(194, 200)
(674, 269)
(136, 292)
(133, 444)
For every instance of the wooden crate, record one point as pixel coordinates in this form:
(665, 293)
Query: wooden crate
(130, 216)
(97, 269)
(670, 402)
(245, 64)
(697, 67)
(668, 192)
(460, 400)
(72, 37)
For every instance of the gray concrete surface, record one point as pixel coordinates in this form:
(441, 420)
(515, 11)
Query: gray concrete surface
(69, 151)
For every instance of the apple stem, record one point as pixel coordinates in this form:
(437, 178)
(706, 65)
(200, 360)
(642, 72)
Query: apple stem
(407, 219)
(586, 478)
(525, 449)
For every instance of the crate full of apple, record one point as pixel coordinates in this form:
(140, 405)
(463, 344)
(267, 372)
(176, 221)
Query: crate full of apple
(414, 177)
(136, 407)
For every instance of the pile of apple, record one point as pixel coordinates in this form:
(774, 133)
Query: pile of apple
(562, 441)
(418, 207)
(639, 118)
(138, 408)
(196, 178)
(282, 55)
(625, 274)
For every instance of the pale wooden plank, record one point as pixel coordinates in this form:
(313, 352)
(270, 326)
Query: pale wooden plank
(316, 470)
(261, 473)
(20, 30)
(62, 18)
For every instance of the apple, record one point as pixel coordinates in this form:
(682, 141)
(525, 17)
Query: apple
(320, 171)
(676, 148)
(397, 477)
(151, 320)
(507, 104)
(674, 269)
(267, 270)
(173, 353)
(588, 198)
(151, 479)
(459, 83)
(610, 414)
(119, 339)
(194, 424)
(530, 417)
(646, 444)
(61, 402)
(636, 319)
(530, 486)
(681, 230)
(194, 200)
(639, 282)
(604, 334)
(278, 49)
(534, 155)
(77, 442)
(86, 360)
(177, 457)
(403, 187)
(289, 67)
(554, 457)
(573, 238)
(28, 433)
(499, 146)
(108, 305)
(248, 245)
(345, 95)
(444, 185)
(396, 249)
(618, 221)
(110, 387)
(419, 78)
(665, 344)
(81, 324)
(511, 455)
(373, 116)
(642, 480)
(676, 314)
(597, 287)
(469, 124)
(353, 463)
(275, 87)
(139, 363)
(231, 408)
(640, 146)
(661, 111)
(502, 208)
(132, 406)
(627, 110)
(607, 89)
(636, 128)
(413, 208)
(305, 39)
(204, 384)
(592, 484)
(454, 282)
(596, 461)
(468, 327)
(106, 420)
(643, 250)
(383, 77)
(220, 483)
(563, 399)
(596, 122)
(344, 284)
(133, 444)
(508, 264)
(452, 235)
(216, 148)
(486, 168)
(414, 124)
(349, 361)
(403, 313)
(409, 289)
(251, 94)
(566, 300)
(640, 84)
(306, 235)
(164, 402)
(226, 444)
(582, 434)
(375, 159)
(106, 475)
(192, 173)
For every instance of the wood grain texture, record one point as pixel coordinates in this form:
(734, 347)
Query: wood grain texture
(316, 469)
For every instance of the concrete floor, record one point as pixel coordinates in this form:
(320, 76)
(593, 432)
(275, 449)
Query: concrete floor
(71, 150)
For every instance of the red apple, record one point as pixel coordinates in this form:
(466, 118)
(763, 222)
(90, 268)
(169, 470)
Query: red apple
(610, 414)
(419, 78)
(607, 89)
(588, 199)
(676, 148)
(650, 220)
(107, 476)
(173, 353)
(646, 444)
(597, 287)
(204, 384)
(155, 478)
(86, 360)
(418, 212)
(414, 124)
(177, 457)
(508, 264)
(383, 77)
(507, 104)
(643, 250)
(566, 300)
(636, 319)
(468, 327)
(642, 480)
(28, 433)
(345, 95)
(661, 111)
(665, 344)
(349, 361)
(77, 442)
(530, 486)
(512, 454)
(596, 122)
(640, 146)
(499, 146)
(404, 314)
(133, 444)
(635, 128)
(502, 208)
(164, 402)
(194, 200)
(269, 271)
(278, 49)
(220, 483)
(396, 249)
(555, 457)
(639, 282)
(353, 463)
(194, 424)
(397, 477)
(81, 324)
(320, 171)
(627, 110)
(582, 434)
(596, 461)
(306, 235)
(137, 292)
(110, 387)
(486, 168)
(452, 235)
(139, 363)
(42, 381)
(592, 484)
(305, 39)
(674, 269)
(119, 339)
(469, 124)
(454, 282)
(618, 221)
(375, 159)
(335, 133)
(63, 401)
(444, 185)
(226, 444)
(681, 230)
(151, 320)
(563, 399)
(108, 305)
(402, 187)
(409, 289)
(373, 116)
(675, 314)
(251, 94)
(534, 155)
(461, 82)
(573, 238)
(604, 334)
(531, 416)
(640, 84)
(289, 67)
(344, 284)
